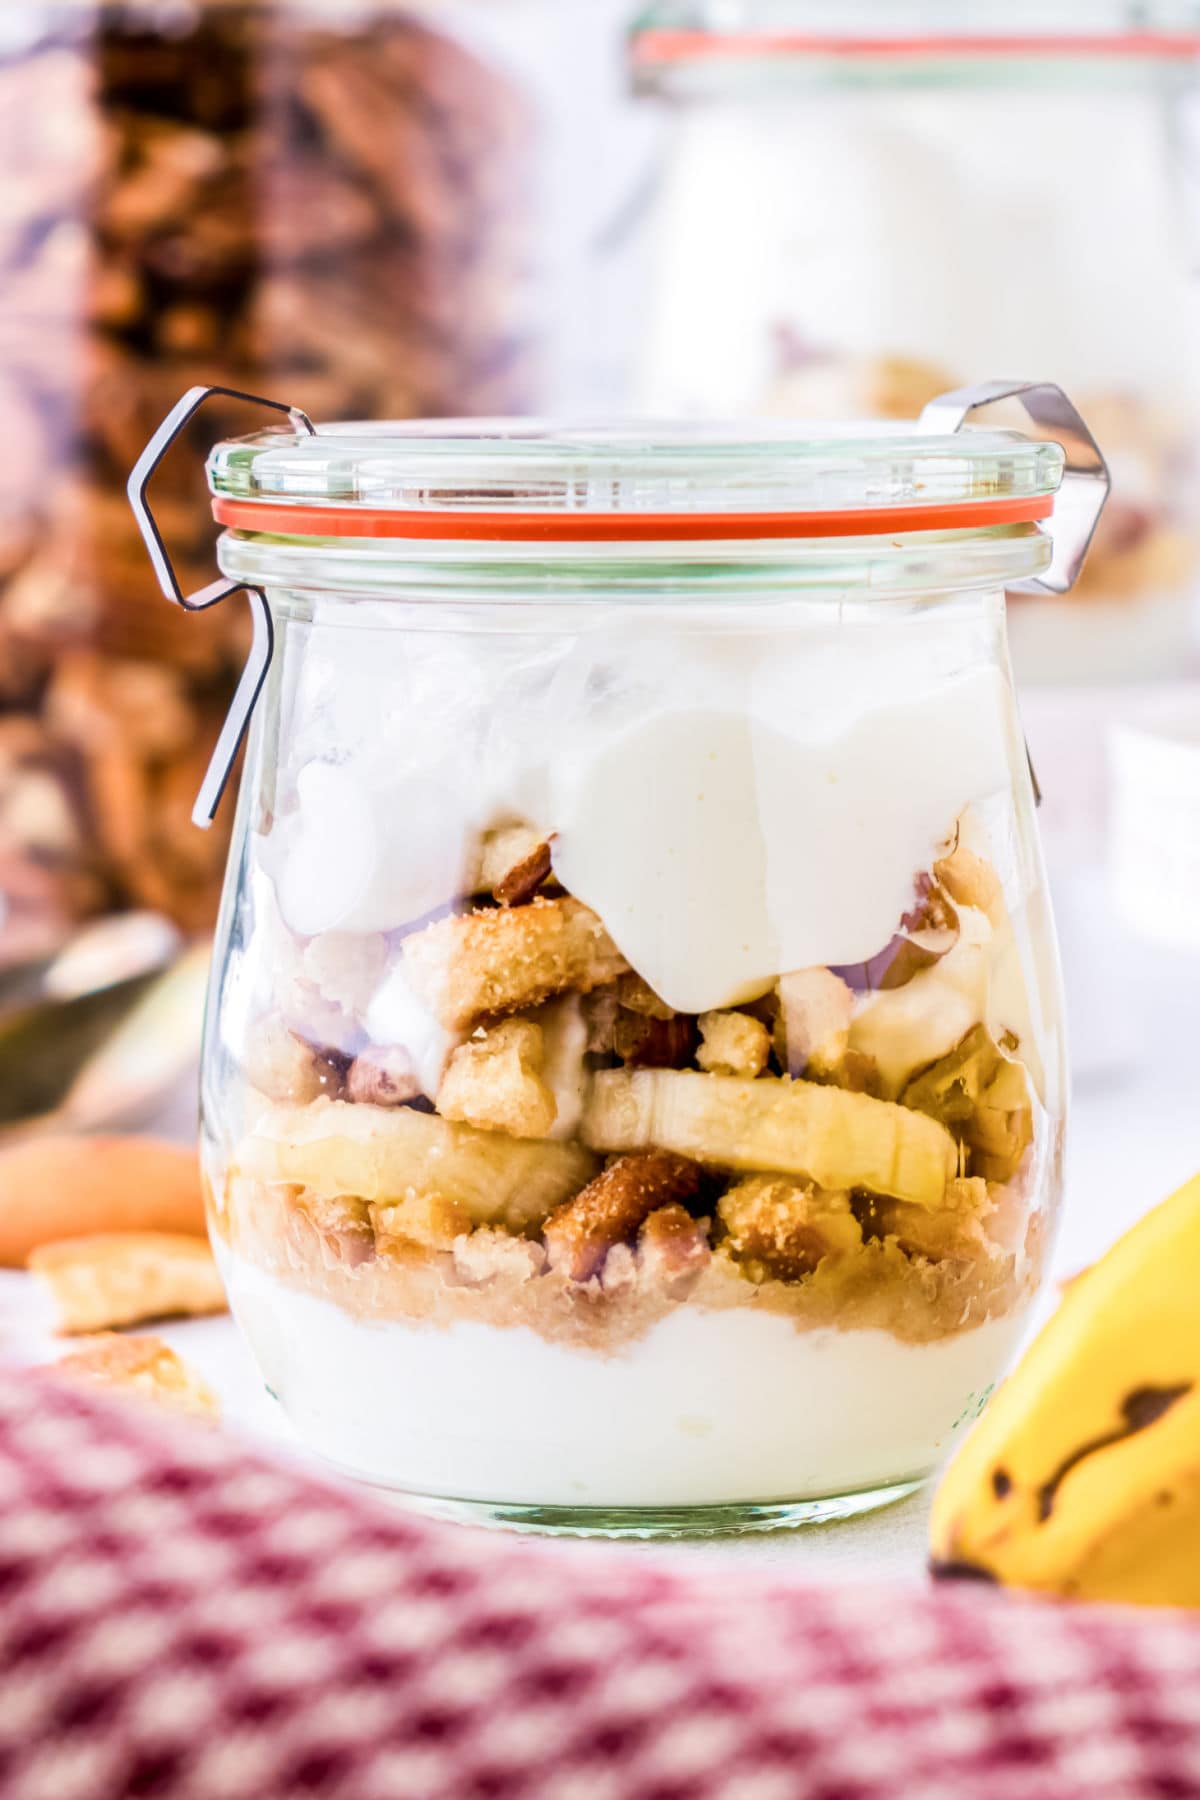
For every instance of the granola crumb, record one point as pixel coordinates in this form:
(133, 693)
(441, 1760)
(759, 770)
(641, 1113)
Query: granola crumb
(426, 1219)
(487, 1255)
(782, 1229)
(733, 1043)
(382, 1076)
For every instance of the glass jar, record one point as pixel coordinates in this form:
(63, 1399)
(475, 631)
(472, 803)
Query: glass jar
(233, 191)
(633, 1092)
(860, 204)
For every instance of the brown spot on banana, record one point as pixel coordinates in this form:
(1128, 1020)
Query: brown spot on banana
(959, 1569)
(1142, 1407)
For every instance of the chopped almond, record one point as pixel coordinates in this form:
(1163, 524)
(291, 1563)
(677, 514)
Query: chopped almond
(126, 1277)
(494, 1082)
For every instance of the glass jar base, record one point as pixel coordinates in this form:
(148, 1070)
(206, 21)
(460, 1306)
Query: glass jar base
(725, 1520)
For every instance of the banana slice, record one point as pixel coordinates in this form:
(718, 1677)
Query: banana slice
(385, 1153)
(837, 1139)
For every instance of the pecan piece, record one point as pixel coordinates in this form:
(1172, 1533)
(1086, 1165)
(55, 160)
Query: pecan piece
(609, 1210)
(382, 1076)
(646, 1043)
(927, 931)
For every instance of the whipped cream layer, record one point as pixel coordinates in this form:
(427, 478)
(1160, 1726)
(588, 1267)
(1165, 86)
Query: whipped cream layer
(708, 1407)
(734, 802)
(722, 850)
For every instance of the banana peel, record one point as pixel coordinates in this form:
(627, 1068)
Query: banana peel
(1083, 1476)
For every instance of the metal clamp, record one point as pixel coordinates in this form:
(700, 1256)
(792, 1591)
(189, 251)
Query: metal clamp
(262, 644)
(1085, 483)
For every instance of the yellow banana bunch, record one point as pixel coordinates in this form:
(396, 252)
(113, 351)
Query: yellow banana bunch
(1083, 1476)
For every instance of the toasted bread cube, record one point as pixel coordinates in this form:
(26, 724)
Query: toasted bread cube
(494, 1082)
(509, 959)
(733, 1043)
(123, 1277)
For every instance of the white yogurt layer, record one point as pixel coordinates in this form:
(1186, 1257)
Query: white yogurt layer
(707, 1407)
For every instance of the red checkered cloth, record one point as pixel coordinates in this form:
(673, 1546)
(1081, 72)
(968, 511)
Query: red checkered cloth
(181, 1617)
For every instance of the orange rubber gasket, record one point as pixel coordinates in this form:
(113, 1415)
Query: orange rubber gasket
(654, 47)
(606, 528)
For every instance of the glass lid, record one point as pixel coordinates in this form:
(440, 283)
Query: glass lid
(676, 39)
(527, 479)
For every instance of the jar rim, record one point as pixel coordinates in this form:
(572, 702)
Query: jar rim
(880, 567)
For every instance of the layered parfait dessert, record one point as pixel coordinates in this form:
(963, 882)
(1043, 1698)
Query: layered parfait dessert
(648, 1111)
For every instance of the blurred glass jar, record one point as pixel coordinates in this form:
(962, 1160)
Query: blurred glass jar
(861, 204)
(333, 197)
